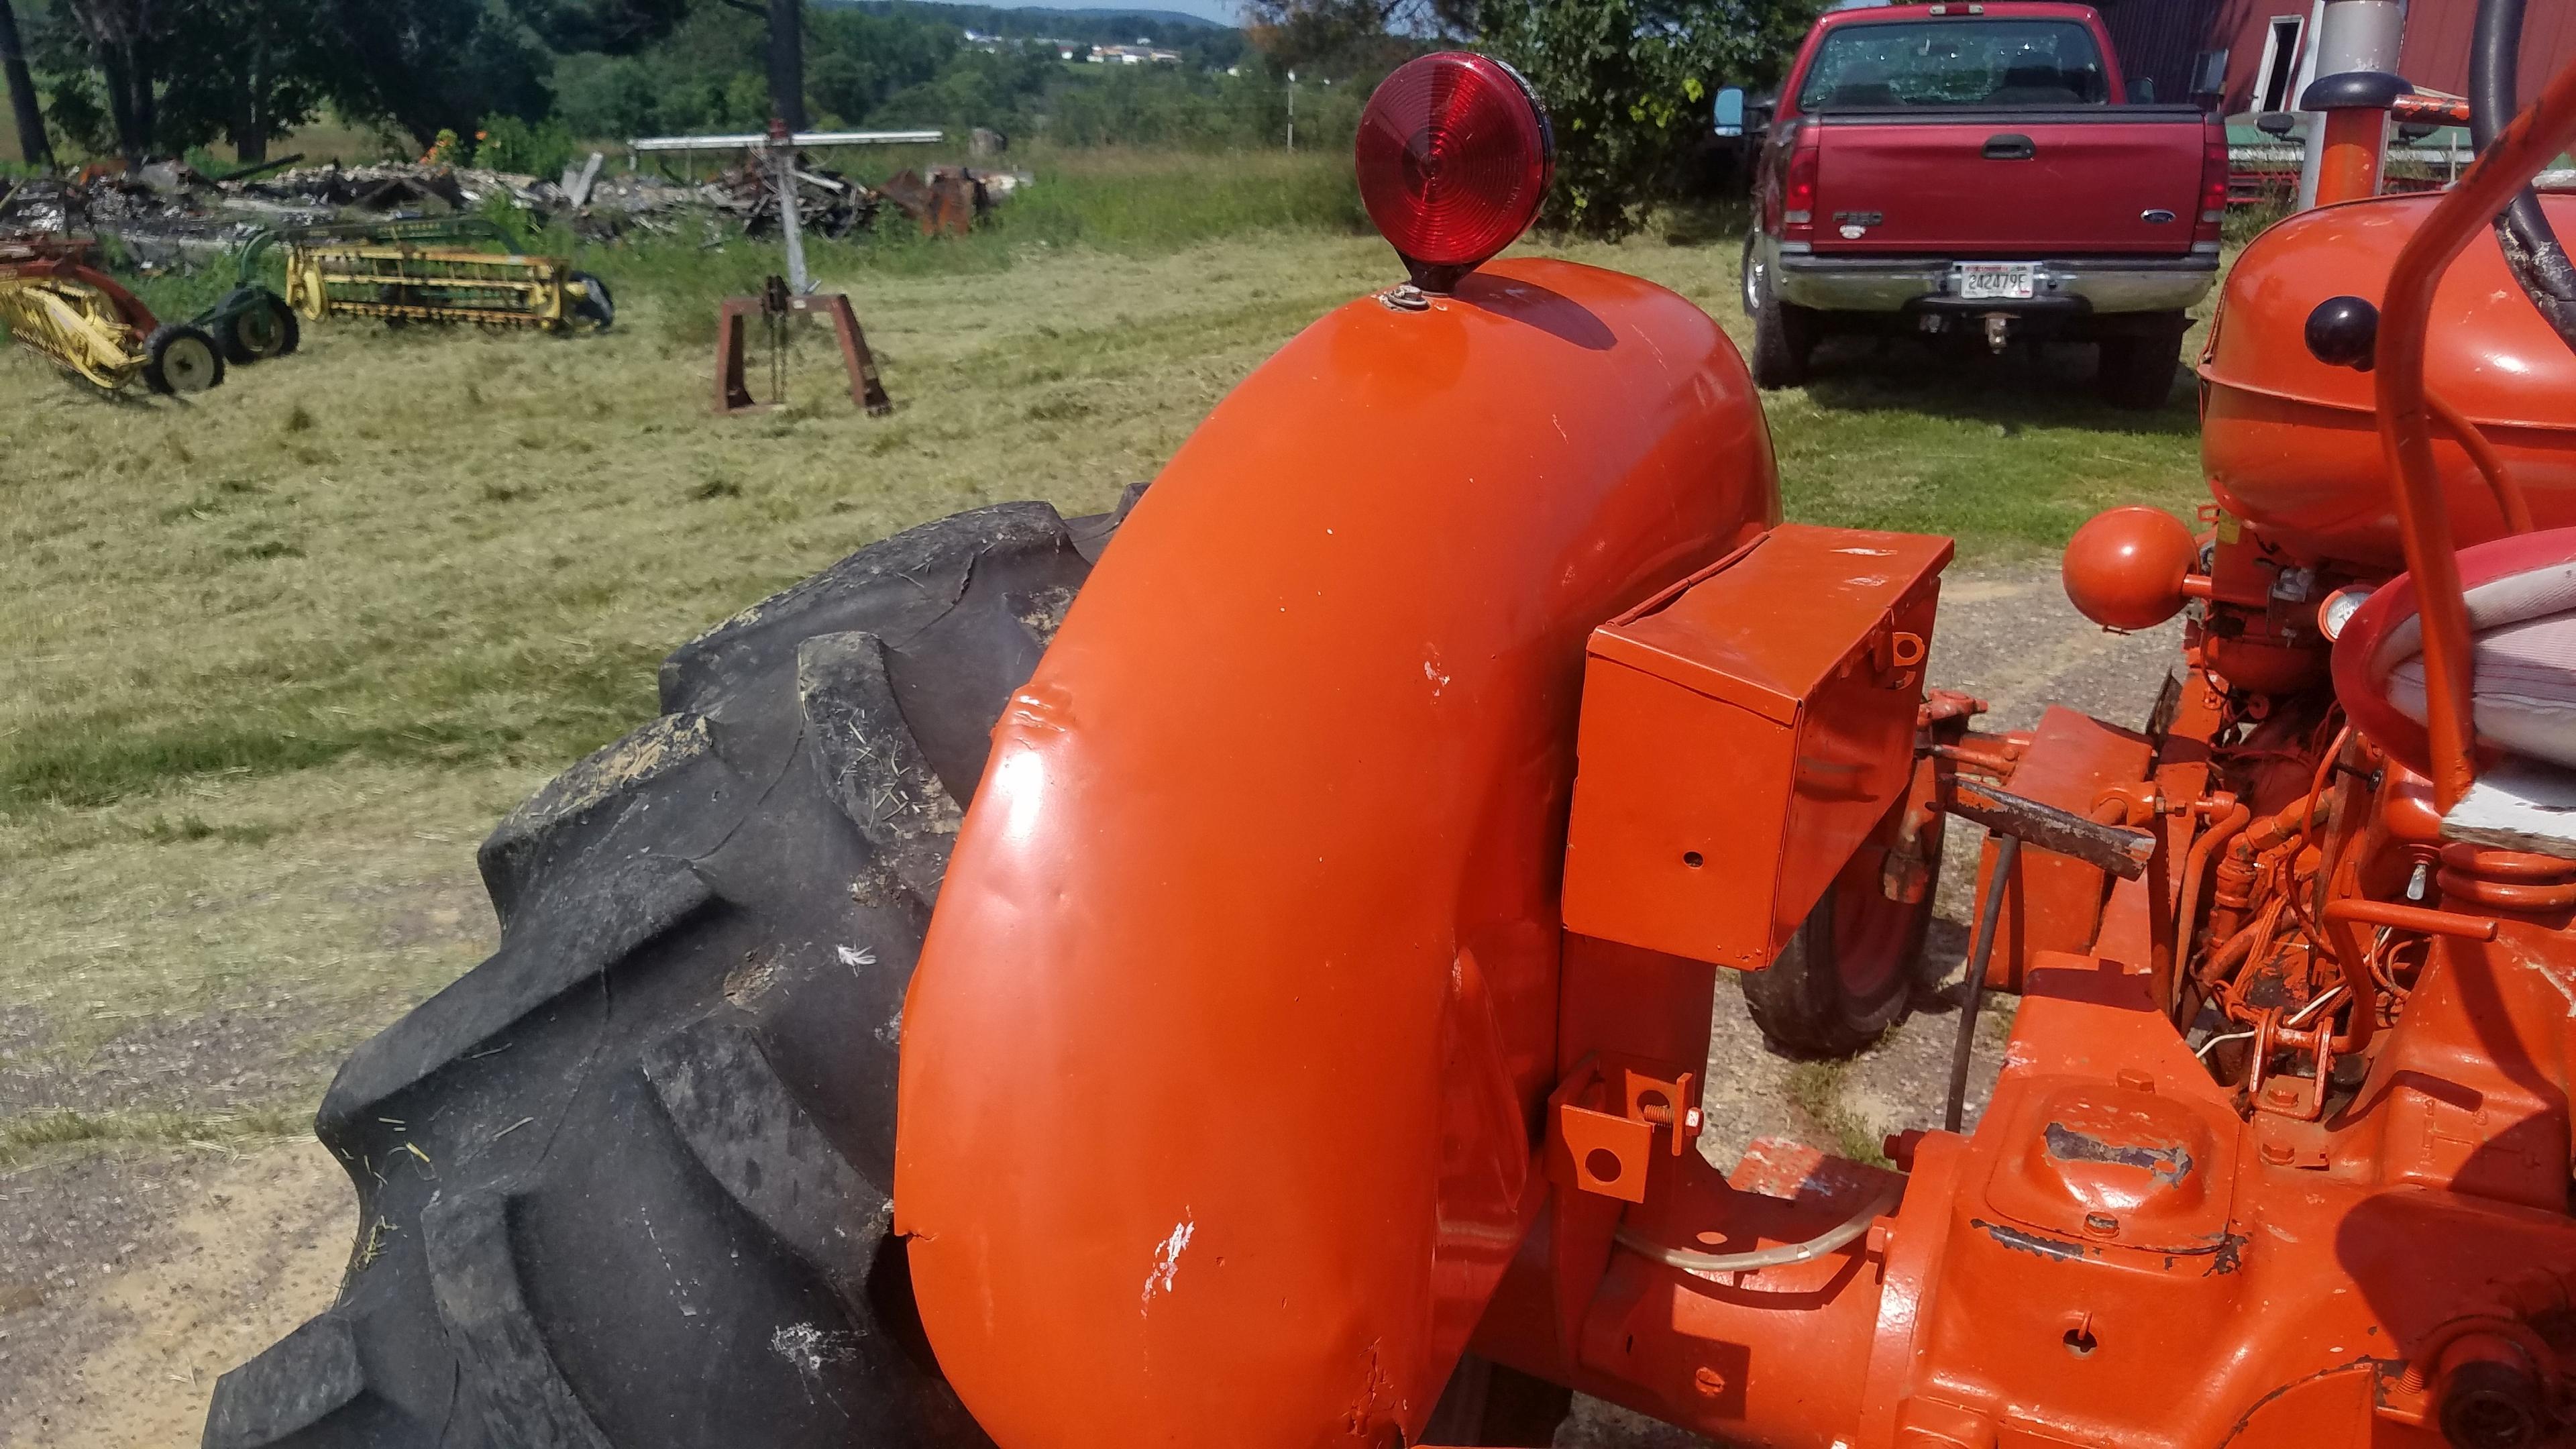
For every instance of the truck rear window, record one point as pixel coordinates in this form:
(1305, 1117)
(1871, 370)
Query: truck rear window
(1984, 63)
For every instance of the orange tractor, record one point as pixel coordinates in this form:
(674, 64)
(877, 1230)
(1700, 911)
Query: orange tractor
(1235, 972)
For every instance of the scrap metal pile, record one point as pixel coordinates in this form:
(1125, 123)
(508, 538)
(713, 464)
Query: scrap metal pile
(168, 215)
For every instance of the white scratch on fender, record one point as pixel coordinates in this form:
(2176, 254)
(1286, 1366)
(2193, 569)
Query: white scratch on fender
(1167, 1259)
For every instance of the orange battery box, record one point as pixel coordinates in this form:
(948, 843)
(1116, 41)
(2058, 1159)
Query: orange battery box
(1742, 734)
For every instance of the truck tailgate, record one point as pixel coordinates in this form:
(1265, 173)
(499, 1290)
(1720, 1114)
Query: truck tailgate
(2009, 182)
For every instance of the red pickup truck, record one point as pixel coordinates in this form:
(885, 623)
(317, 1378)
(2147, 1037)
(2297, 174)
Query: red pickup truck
(1980, 169)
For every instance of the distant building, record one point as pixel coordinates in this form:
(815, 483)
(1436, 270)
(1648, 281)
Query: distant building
(1138, 54)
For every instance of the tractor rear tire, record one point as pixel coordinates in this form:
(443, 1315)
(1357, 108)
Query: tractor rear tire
(178, 358)
(624, 1185)
(1850, 971)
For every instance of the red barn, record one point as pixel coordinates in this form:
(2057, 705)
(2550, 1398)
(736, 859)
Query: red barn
(2252, 55)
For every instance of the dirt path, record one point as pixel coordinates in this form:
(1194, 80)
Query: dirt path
(129, 1283)
(136, 1282)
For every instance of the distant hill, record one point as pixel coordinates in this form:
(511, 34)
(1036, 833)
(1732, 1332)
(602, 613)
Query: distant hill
(1104, 25)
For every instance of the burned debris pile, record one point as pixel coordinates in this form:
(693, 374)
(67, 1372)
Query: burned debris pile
(168, 215)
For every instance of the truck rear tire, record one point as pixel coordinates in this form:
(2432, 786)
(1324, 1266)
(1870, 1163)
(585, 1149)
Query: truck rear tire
(1849, 972)
(625, 1183)
(1784, 336)
(2138, 368)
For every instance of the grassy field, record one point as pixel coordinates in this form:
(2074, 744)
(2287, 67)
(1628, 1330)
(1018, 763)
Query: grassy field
(281, 654)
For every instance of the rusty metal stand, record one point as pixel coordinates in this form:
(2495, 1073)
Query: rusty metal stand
(781, 296)
(774, 305)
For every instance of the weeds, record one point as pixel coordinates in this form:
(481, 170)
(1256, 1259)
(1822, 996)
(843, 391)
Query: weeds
(1817, 1089)
(24, 1137)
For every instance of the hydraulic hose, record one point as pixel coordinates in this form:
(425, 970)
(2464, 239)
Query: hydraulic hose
(2531, 247)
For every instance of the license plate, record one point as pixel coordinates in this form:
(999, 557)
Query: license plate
(1997, 281)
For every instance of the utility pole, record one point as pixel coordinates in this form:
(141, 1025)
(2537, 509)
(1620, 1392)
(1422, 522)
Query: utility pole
(787, 62)
(1292, 113)
(33, 144)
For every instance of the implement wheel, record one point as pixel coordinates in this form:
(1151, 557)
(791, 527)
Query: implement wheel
(179, 358)
(1849, 972)
(262, 329)
(624, 1185)
(590, 303)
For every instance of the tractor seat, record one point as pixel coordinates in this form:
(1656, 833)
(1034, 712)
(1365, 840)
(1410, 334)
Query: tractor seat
(2521, 598)
(2523, 635)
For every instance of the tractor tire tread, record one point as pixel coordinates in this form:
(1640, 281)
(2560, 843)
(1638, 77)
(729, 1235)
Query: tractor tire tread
(474, 1277)
(624, 1185)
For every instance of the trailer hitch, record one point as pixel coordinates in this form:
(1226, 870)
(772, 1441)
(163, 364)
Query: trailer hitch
(2012, 820)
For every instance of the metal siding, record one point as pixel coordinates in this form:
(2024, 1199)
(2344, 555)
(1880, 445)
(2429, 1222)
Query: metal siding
(2157, 39)
(2438, 32)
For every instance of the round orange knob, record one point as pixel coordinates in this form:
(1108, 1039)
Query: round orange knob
(2125, 569)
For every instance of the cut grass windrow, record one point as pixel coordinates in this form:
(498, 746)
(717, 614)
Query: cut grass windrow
(28, 1137)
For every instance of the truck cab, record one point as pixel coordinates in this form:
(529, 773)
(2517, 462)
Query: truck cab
(1980, 169)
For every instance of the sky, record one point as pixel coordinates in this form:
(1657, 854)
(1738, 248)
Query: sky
(1221, 10)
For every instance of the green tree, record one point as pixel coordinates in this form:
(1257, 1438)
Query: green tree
(1348, 37)
(33, 142)
(119, 41)
(431, 65)
(254, 70)
(1627, 83)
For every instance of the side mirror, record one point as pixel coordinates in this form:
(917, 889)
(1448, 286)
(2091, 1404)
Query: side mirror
(2142, 91)
(1730, 111)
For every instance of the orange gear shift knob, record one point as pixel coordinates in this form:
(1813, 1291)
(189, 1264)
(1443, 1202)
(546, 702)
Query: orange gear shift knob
(2125, 569)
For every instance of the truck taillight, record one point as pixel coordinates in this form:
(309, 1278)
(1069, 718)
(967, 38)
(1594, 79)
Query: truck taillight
(1798, 192)
(2213, 186)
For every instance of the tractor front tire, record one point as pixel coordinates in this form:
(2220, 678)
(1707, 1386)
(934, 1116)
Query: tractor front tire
(625, 1184)
(1850, 971)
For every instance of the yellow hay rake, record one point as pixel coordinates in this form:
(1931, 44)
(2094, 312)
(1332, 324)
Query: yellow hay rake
(53, 303)
(418, 275)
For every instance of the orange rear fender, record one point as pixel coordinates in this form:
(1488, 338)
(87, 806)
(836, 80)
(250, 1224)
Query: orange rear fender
(1222, 1065)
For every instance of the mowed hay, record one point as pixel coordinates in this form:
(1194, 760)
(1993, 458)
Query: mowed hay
(281, 653)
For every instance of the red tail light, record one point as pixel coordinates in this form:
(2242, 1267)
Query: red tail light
(1798, 191)
(1454, 156)
(2214, 168)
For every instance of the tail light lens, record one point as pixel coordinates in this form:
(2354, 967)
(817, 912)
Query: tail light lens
(2214, 167)
(1454, 157)
(1798, 191)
